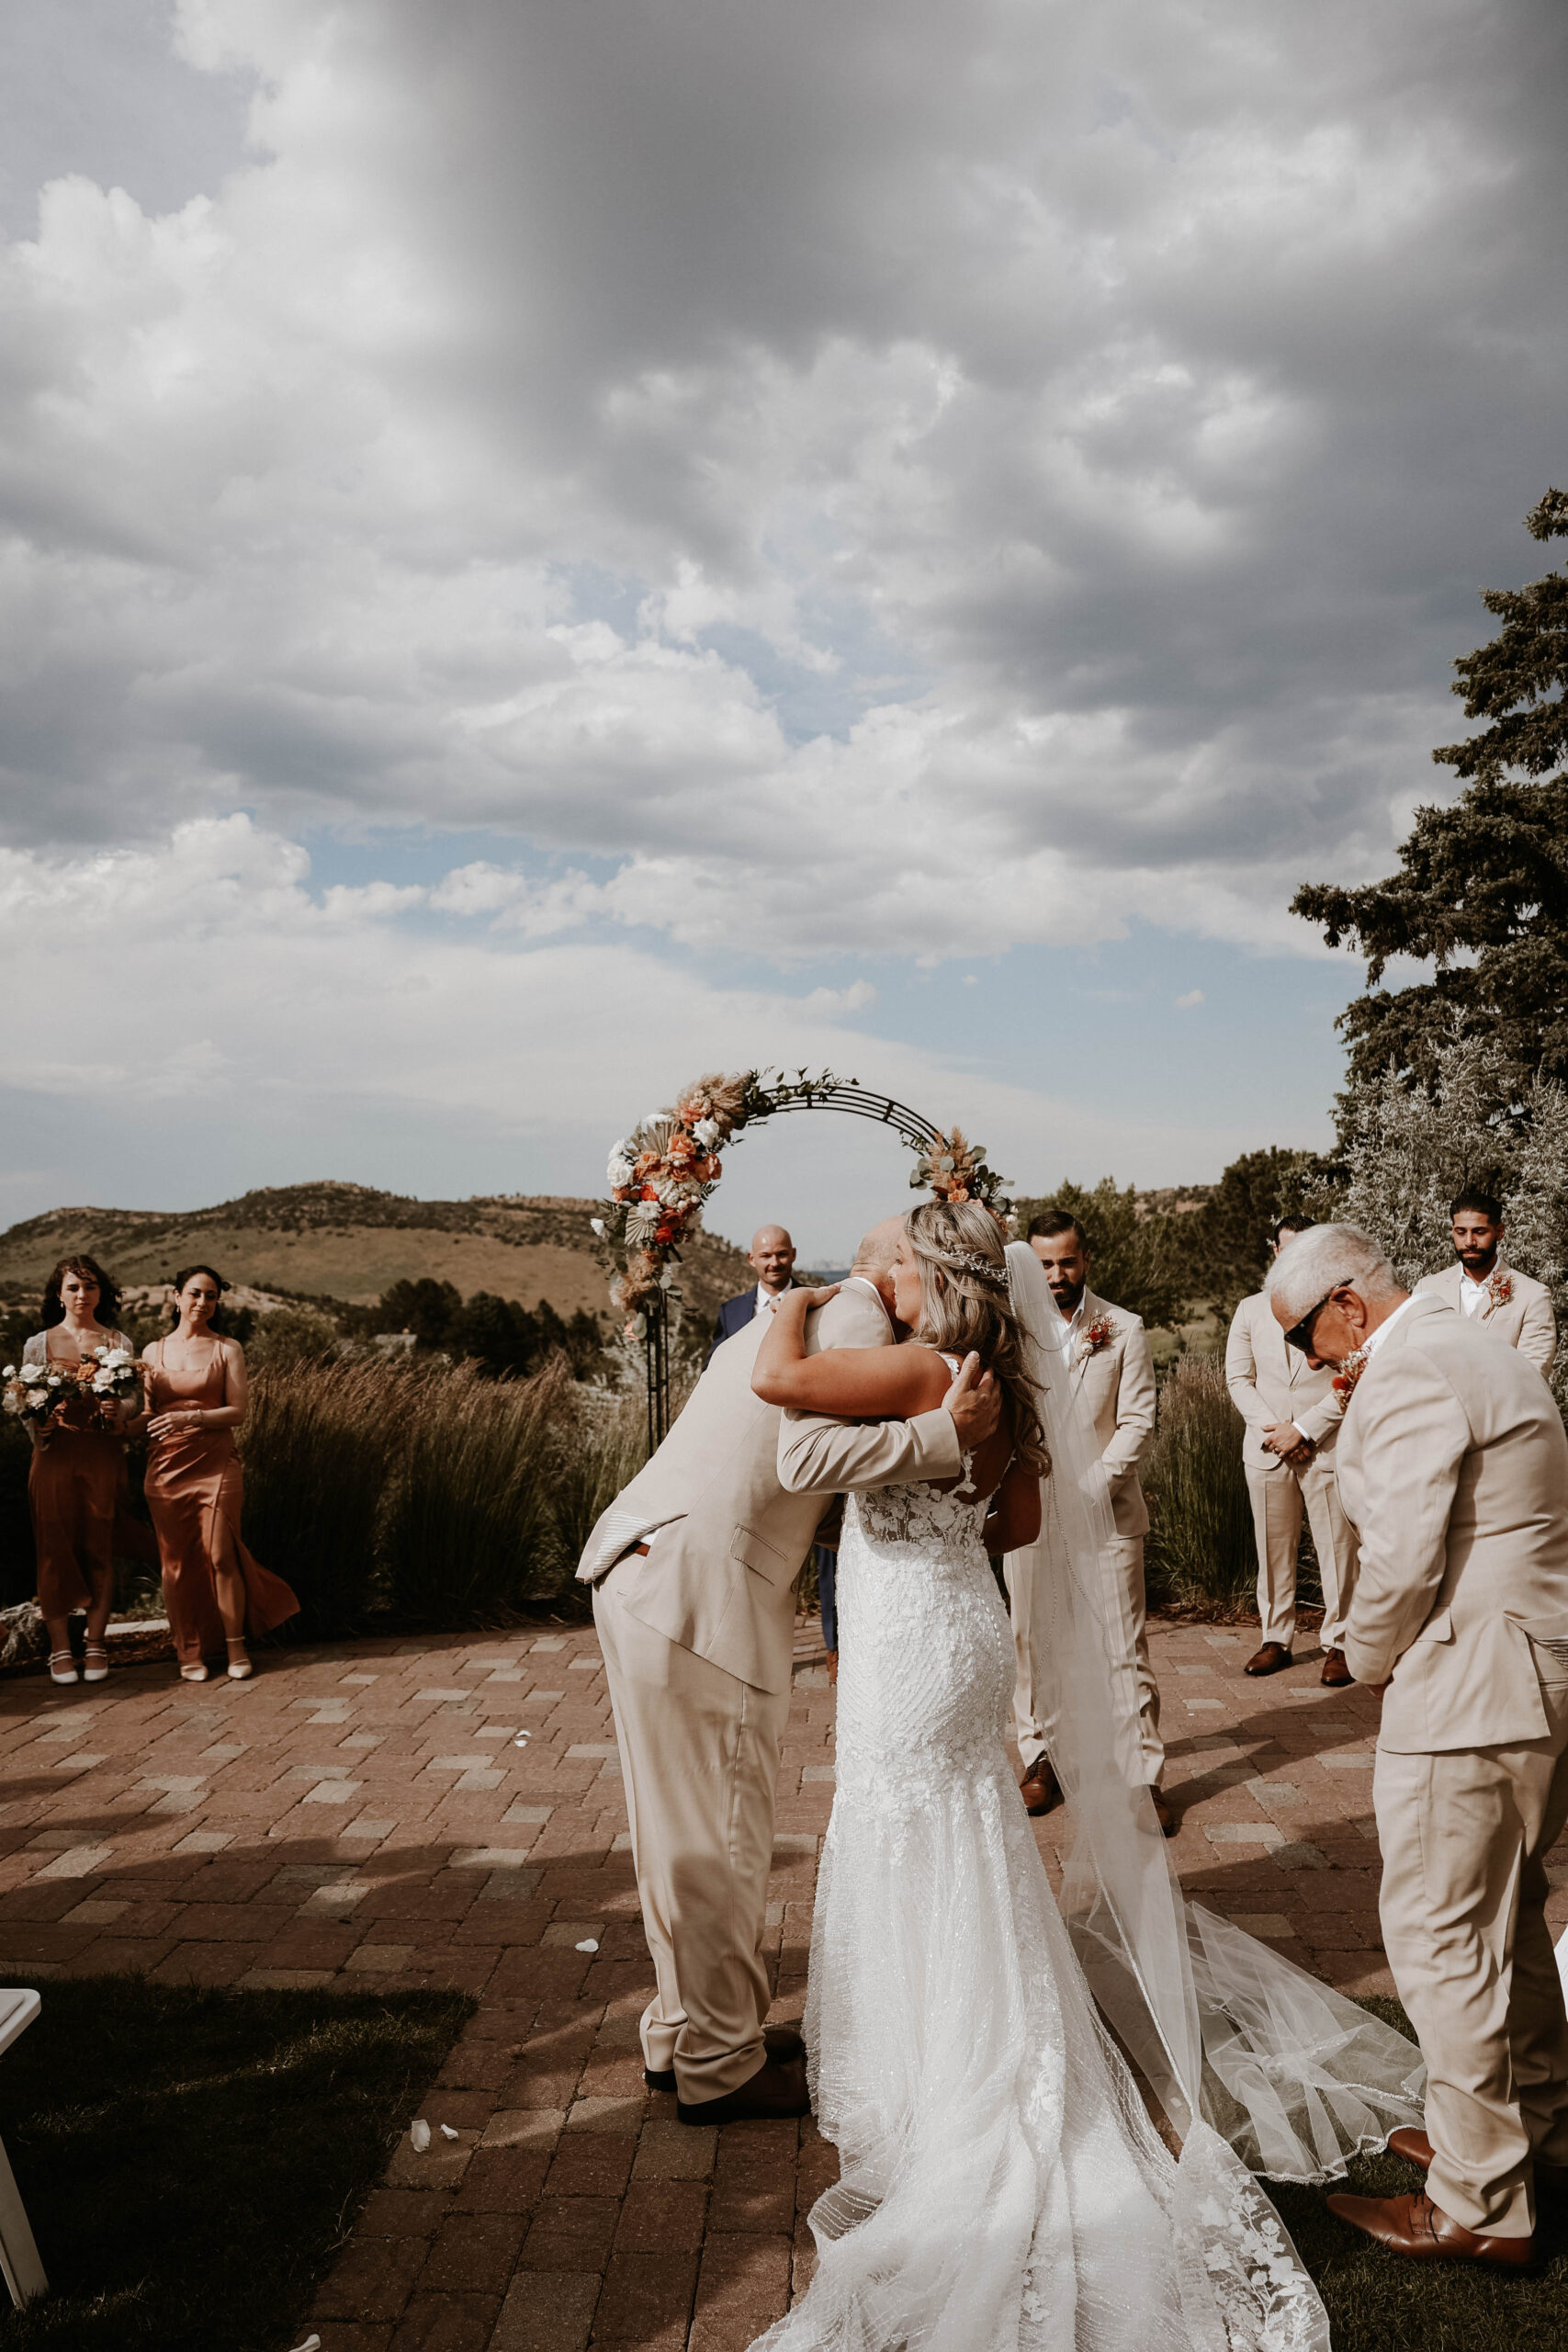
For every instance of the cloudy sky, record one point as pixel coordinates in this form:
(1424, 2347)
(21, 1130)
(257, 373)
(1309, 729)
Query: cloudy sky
(552, 544)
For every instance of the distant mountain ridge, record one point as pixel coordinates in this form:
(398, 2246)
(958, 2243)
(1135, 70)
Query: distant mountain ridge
(347, 1241)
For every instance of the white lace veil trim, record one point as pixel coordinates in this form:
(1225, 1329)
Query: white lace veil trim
(1291, 2074)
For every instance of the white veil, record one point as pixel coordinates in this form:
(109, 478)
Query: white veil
(1233, 2039)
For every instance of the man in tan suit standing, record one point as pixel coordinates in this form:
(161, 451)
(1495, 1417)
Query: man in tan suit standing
(1114, 1372)
(694, 1568)
(1453, 1466)
(1292, 1418)
(1509, 1305)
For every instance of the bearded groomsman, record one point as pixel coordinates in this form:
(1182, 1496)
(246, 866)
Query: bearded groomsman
(1113, 1371)
(1453, 1466)
(1511, 1305)
(1292, 1415)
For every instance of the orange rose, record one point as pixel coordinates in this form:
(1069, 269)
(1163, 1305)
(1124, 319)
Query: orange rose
(681, 1147)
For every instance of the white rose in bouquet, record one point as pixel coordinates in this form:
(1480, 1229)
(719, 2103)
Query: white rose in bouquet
(707, 1133)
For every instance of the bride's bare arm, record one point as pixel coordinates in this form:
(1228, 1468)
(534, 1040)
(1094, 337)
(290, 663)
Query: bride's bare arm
(857, 1384)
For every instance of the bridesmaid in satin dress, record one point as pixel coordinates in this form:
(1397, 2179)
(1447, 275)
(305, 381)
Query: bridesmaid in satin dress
(76, 1481)
(213, 1590)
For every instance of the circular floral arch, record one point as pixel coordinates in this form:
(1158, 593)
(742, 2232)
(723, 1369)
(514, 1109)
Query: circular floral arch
(664, 1172)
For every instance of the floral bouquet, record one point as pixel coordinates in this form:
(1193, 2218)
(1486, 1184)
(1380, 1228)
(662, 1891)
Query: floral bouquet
(660, 1174)
(955, 1169)
(36, 1393)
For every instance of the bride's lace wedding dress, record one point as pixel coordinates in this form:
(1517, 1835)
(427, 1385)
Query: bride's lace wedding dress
(1000, 2183)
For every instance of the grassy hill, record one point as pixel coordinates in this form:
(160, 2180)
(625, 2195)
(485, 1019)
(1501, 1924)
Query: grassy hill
(348, 1241)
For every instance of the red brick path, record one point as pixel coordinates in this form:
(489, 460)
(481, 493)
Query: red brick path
(363, 1814)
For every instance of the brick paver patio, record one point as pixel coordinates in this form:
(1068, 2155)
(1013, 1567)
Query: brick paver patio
(449, 1811)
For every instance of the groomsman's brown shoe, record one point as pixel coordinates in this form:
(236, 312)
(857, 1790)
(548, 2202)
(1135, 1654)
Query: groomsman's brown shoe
(1271, 1659)
(1421, 2231)
(1336, 1673)
(1039, 1787)
(1163, 1814)
(778, 2088)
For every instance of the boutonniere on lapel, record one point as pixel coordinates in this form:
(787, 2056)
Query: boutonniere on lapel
(1350, 1371)
(1499, 1290)
(1095, 1336)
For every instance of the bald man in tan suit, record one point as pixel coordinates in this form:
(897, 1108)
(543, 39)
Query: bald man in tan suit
(1453, 1466)
(694, 1569)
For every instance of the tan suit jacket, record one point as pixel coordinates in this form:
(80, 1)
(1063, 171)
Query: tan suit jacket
(1270, 1382)
(721, 1579)
(1117, 1384)
(1526, 1320)
(1453, 1465)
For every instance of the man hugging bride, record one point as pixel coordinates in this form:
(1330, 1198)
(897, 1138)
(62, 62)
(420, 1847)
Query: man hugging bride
(1001, 2184)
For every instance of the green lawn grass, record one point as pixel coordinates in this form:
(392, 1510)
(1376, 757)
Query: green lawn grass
(191, 2158)
(1378, 2301)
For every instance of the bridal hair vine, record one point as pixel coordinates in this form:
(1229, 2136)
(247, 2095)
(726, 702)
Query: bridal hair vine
(969, 1261)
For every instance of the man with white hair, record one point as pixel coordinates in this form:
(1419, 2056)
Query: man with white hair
(1453, 1467)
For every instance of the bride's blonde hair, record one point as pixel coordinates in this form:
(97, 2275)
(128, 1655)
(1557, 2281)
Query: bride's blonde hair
(966, 1304)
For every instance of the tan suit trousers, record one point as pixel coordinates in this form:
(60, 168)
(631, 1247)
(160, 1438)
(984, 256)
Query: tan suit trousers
(1277, 1497)
(1035, 1703)
(700, 1757)
(1464, 1838)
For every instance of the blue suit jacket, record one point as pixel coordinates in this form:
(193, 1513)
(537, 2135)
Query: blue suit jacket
(734, 1315)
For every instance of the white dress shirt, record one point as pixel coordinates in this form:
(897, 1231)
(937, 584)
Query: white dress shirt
(1471, 1294)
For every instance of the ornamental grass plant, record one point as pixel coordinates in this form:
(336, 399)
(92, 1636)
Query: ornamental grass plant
(1200, 1553)
(466, 1531)
(394, 1491)
(319, 1447)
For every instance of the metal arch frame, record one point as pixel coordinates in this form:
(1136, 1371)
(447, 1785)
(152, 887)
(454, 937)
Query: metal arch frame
(848, 1096)
(860, 1102)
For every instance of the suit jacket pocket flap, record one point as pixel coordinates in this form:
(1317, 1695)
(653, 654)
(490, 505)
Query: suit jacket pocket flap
(1439, 1627)
(766, 1559)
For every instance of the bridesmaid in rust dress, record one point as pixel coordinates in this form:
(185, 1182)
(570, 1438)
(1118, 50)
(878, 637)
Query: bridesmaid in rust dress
(76, 1479)
(214, 1592)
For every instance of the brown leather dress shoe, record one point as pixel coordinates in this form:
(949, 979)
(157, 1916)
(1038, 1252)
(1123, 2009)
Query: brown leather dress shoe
(1040, 1788)
(1163, 1813)
(1271, 1659)
(1336, 1673)
(780, 2041)
(1414, 2227)
(778, 2088)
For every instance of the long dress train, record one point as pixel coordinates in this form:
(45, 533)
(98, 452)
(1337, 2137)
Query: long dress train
(195, 1487)
(1001, 2187)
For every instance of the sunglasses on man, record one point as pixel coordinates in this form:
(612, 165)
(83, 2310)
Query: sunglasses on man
(1300, 1334)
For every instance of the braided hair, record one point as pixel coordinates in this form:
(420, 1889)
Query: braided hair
(966, 1304)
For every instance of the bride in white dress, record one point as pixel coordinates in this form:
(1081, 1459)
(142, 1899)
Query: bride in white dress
(1001, 2185)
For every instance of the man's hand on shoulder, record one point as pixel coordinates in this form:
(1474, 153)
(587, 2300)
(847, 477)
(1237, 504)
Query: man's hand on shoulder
(976, 1403)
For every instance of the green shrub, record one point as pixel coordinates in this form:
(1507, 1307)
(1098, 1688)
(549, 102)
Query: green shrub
(1200, 1550)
